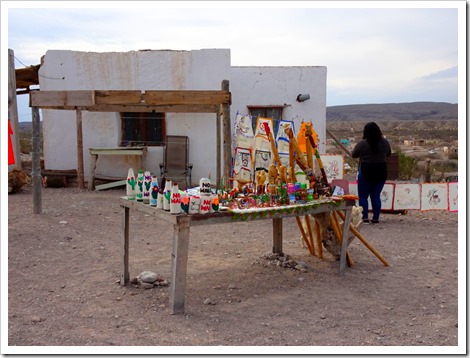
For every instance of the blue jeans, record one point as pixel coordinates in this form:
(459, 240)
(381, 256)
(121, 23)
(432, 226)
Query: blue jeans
(365, 189)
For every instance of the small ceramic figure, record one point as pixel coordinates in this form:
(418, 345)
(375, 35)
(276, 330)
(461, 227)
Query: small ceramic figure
(154, 191)
(130, 186)
(167, 195)
(139, 195)
(175, 201)
(147, 185)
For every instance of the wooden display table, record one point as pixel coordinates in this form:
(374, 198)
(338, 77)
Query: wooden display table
(182, 223)
(95, 152)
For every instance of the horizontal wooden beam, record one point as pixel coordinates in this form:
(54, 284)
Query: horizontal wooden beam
(43, 99)
(135, 101)
(186, 97)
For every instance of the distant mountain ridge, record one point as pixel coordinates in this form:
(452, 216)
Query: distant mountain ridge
(393, 112)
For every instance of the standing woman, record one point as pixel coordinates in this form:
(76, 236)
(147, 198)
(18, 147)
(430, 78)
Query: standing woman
(372, 152)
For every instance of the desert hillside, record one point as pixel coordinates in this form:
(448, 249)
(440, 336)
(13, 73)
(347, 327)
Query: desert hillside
(393, 112)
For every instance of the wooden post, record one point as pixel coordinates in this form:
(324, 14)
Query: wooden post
(227, 134)
(36, 163)
(80, 175)
(218, 148)
(13, 109)
(124, 245)
(277, 236)
(427, 170)
(91, 181)
(344, 243)
(179, 264)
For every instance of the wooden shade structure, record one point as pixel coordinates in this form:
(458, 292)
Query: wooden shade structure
(172, 101)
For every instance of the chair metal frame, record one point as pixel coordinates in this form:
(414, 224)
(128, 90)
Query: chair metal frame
(176, 159)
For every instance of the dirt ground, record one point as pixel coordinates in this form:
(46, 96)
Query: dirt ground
(64, 268)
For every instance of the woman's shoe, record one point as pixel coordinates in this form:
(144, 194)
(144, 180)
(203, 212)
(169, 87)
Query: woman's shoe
(375, 221)
(366, 221)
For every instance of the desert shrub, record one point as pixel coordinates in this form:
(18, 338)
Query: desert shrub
(407, 166)
(454, 156)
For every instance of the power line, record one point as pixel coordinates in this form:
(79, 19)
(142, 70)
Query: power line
(17, 59)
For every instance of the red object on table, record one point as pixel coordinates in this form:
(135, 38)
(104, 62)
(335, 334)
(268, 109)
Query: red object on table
(11, 153)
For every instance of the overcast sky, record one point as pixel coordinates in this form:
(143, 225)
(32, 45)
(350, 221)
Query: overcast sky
(373, 55)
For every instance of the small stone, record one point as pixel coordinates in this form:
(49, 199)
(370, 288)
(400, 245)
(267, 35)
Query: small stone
(133, 280)
(118, 299)
(208, 301)
(232, 287)
(146, 285)
(148, 277)
(322, 316)
(37, 319)
(63, 222)
(163, 283)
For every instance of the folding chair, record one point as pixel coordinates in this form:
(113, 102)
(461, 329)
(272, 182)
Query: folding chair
(176, 166)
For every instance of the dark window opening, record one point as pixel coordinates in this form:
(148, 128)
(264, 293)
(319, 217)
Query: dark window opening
(142, 129)
(274, 112)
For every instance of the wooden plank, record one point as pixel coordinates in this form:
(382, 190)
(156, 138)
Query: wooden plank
(91, 182)
(186, 97)
(111, 185)
(124, 245)
(118, 97)
(62, 98)
(80, 169)
(277, 236)
(344, 243)
(179, 265)
(117, 151)
(227, 134)
(183, 108)
(36, 165)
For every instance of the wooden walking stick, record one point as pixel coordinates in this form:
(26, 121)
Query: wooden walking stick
(310, 234)
(273, 144)
(339, 235)
(304, 236)
(364, 241)
(319, 243)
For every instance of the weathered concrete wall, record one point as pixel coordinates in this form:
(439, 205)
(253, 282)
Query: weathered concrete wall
(168, 70)
(280, 86)
(136, 70)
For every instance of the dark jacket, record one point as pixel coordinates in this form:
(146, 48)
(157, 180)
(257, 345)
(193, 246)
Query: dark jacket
(373, 165)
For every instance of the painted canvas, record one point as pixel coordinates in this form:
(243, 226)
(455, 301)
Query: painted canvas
(282, 140)
(261, 140)
(333, 165)
(243, 167)
(453, 196)
(353, 188)
(262, 160)
(434, 196)
(243, 131)
(407, 197)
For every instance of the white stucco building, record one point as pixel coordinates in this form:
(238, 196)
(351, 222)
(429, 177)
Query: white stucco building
(253, 90)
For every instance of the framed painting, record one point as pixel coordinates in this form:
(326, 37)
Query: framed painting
(434, 196)
(453, 196)
(407, 197)
(333, 165)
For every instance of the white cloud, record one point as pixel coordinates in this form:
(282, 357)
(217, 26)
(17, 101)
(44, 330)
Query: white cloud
(368, 52)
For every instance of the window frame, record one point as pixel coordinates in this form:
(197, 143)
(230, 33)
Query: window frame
(143, 128)
(266, 109)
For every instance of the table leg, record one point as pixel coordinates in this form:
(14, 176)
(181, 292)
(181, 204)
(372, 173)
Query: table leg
(124, 245)
(91, 182)
(344, 244)
(277, 236)
(179, 264)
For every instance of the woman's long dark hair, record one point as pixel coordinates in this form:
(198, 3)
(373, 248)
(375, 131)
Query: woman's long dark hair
(373, 135)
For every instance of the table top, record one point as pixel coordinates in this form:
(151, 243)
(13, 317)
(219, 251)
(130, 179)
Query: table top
(119, 150)
(229, 216)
